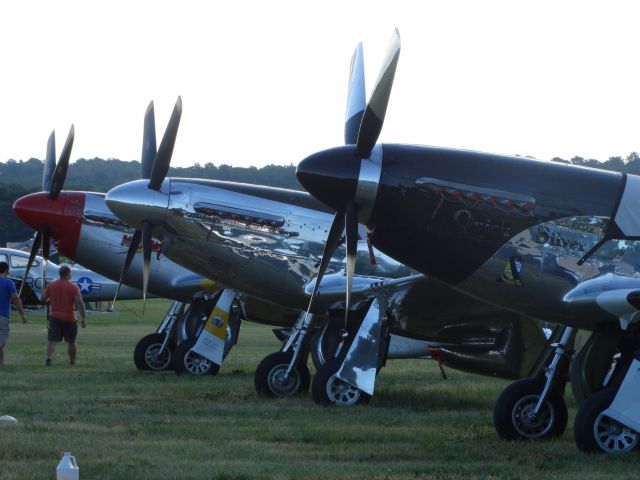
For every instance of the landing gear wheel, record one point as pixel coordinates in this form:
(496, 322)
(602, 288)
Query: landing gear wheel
(513, 412)
(271, 380)
(184, 360)
(597, 433)
(327, 389)
(147, 355)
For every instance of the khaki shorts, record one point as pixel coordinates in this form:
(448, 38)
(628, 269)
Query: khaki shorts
(4, 329)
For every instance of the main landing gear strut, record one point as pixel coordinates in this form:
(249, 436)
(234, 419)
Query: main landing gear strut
(285, 373)
(347, 360)
(170, 347)
(155, 351)
(204, 352)
(534, 408)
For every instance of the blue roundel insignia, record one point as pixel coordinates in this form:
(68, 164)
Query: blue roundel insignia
(85, 284)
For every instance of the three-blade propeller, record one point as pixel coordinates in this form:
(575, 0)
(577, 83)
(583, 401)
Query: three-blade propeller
(53, 178)
(363, 124)
(154, 166)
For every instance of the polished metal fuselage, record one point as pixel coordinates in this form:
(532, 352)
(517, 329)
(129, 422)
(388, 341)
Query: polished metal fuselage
(263, 242)
(103, 245)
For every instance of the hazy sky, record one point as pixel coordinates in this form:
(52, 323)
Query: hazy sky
(265, 81)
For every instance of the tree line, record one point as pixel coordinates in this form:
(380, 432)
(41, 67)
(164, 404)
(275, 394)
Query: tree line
(17, 178)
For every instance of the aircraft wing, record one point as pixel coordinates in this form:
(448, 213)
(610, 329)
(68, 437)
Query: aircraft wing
(616, 295)
(333, 287)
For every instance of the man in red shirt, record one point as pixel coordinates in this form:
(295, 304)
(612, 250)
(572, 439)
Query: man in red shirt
(63, 295)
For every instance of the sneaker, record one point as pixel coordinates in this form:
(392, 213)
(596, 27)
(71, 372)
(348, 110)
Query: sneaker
(72, 362)
(47, 362)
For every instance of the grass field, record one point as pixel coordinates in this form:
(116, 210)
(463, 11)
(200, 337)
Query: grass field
(124, 424)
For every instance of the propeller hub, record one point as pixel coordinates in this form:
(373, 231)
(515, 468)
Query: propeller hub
(37, 209)
(331, 176)
(134, 202)
(63, 216)
(337, 177)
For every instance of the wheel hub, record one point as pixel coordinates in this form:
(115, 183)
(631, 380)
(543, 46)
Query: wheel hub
(529, 424)
(614, 437)
(280, 383)
(341, 393)
(196, 364)
(156, 357)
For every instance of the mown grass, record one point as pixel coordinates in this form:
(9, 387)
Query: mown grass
(124, 424)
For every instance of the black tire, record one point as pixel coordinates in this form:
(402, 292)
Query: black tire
(597, 433)
(510, 413)
(146, 348)
(184, 360)
(269, 376)
(329, 390)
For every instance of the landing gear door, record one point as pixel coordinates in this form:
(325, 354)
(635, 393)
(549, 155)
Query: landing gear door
(211, 342)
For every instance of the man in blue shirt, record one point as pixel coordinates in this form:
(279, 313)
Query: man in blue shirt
(8, 294)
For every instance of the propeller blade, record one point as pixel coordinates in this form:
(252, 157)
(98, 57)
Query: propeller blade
(149, 149)
(146, 255)
(351, 220)
(163, 157)
(373, 117)
(46, 239)
(46, 245)
(356, 98)
(32, 256)
(60, 173)
(332, 243)
(133, 248)
(49, 162)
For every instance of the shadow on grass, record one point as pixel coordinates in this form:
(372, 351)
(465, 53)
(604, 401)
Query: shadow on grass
(435, 400)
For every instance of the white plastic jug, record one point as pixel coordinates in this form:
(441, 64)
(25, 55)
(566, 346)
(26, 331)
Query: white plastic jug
(68, 468)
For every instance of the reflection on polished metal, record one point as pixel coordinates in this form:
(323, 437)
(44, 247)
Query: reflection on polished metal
(284, 253)
(135, 202)
(368, 181)
(360, 366)
(558, 286)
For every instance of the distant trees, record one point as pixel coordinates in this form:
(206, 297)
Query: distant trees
(630, 164)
